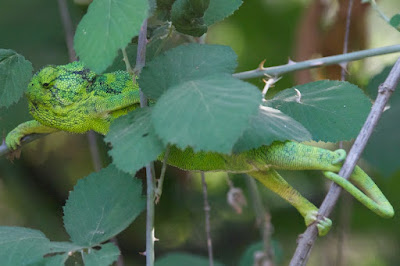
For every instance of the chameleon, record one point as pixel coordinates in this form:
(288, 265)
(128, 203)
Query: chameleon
(73, 98)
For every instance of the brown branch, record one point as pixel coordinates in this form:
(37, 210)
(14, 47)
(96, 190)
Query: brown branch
(306, 240)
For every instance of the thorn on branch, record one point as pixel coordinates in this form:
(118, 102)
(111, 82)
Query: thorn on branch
(269, 83)
(298, 96)
(261, 65)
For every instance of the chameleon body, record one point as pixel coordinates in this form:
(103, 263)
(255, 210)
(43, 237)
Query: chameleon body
(75, 99)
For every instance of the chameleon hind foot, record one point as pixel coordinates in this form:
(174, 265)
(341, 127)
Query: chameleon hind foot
(341, 156)
(324, 224)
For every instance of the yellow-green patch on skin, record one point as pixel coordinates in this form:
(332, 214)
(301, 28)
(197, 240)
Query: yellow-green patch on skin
(75, 99)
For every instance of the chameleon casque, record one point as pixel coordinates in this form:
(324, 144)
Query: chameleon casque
(73, 98)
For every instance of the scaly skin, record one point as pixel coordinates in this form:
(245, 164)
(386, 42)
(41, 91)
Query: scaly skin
(75, 99)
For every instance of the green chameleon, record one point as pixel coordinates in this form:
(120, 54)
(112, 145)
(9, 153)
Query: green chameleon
(75, 99)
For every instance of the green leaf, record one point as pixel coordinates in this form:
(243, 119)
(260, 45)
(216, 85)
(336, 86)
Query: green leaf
(56, 247)
(248, 255)
(134, 141)
(180, 258)
(15, 74)
(119, 63)
(184, 63)
(395, 22)
(373, 85)
(187, 16)
(208, 114)
(21, 246)
(330, 110)
(54, 260)
(108, 26)
(383, 148)
(270, 125)
(103, 257)
(220, 9)
(102, 205)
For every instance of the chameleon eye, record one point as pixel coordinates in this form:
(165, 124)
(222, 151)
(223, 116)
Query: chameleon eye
(45, 84)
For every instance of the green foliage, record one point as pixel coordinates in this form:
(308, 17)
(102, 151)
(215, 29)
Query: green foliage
(395, 21)
(15, 74)
(330, 110)
(270, 125)
(21, 246)
(185, 63)
(102, 205)
(205, 109)
(187, 16)
(179, 258)
(383, 148)
(220, 9)
(134, 141)
(103, 257)
(108, 26)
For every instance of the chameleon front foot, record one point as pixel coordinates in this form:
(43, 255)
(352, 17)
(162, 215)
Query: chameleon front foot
(13, 140)
(324, 224)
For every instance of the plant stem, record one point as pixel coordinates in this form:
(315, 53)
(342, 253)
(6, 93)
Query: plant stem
(381, 14)
(160, 181)
(140, 62)
(263, 219)
(307, 239)
(207, 220)
(345, 211)
(324, 61)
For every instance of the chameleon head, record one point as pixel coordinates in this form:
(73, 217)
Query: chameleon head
(37, 92)
(59, 86)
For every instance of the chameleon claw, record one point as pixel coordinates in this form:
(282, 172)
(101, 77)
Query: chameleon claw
(323, 224)
(341, 156)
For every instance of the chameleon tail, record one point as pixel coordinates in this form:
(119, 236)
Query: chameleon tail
(361, 186)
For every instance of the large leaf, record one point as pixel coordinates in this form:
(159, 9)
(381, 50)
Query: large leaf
(108, 26)
(184, 63)
(270, 125)
(383, 148)
(102, 205)
(103, 257)
(179, 258)
(220, 9)
(187, 16)
(15, 74)
(208, 114)
(373, 85)
(21, 246)
(134, 141)
(330, 110)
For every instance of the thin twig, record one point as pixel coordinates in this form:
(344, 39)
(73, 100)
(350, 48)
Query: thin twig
(346, 38)
(386, 89)
(377, 9)
(324, 61)
(160, 181)
(68, 28)
(263, 218)
(140, 62)
(207, 220)
(344, 222)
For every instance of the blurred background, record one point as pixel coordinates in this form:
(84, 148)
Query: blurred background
(34, 188)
